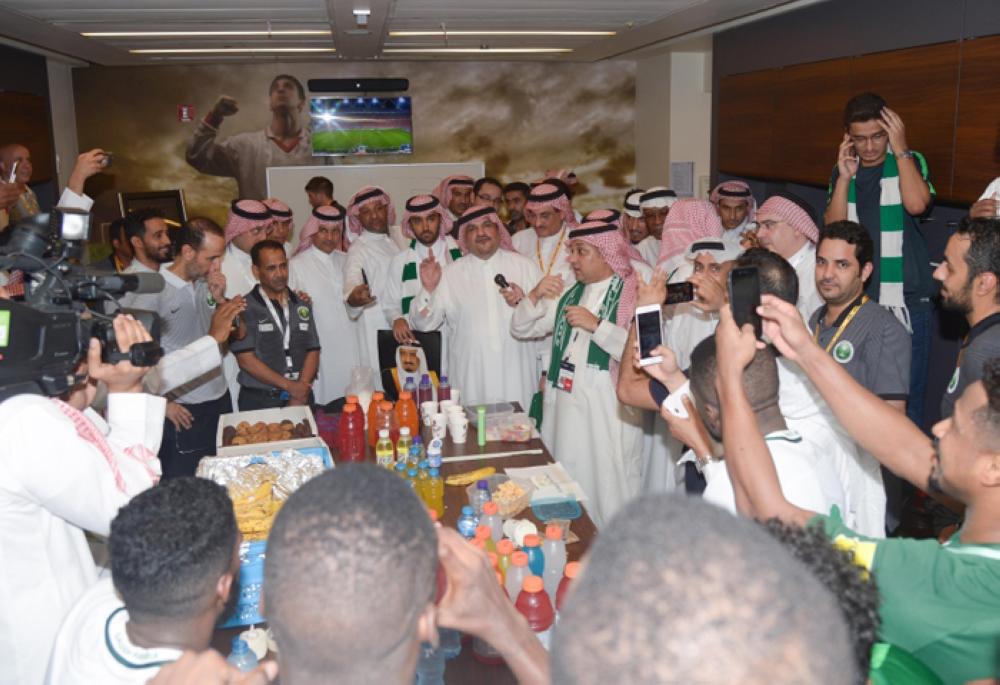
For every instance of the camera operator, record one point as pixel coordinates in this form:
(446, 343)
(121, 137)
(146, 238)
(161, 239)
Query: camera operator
(66, 470)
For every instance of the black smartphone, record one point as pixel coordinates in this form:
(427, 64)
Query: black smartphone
(679, 292)
(744, 297)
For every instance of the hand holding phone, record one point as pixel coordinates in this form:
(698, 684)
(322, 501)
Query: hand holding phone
(649, 333)
(744, 297)
(678, 293)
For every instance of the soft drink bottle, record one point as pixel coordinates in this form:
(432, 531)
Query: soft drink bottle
(242, 657)
(385, 456)
(418, 442)
(400, 469)
(444, 389)
(492, 519)
(483, 533)
(435, 491)
(406, 413)
(516, 573)
(403, 445)
(569, 575)
(423, 480)
(385, 418)
(377, 398)
(352, 435)
(536, 558)
(554, 552)
(411, 476)
(535, 606)
(505, 548)
(425, 391)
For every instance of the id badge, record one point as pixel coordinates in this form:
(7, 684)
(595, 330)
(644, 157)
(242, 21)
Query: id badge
(292, 375)
(565, 379)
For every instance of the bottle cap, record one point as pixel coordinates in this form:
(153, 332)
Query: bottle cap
(572, 569)
(532, 584)
(425, 377)
(493, 558)
(519, 558)
(423, 464)
(401, 467)
(482, 484)
(412, 473)
(482, 532)
(444, 379)
(433, 514)
(490, 508)
(417, 440)
(385, 406)
(351, 399)
(348, 408)
(405, 430)
(378, 396)
(505, 546)
(405, 395)
(553, 532)
(383, 434)
(240, 646)
(531, 540)
(433, 473)
(468, 511)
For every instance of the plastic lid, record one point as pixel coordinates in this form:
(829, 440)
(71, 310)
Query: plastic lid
(572, 569)
(519, 558)
(433, 514)
(385, 406)
(490, 508)
(412, 473)
(405, 430)
(406, 395)
(493, 558)
(505, 546)
(383, 433)
(240, 646)
(433, 472)
(444, 379)
(531, 541)
(423, 464)
(553, 532)
(401, 467)
(348, 408)
(482, 484)
(468, 511)
(425, 377)
(482, 532)
(532, 584)
(417, 440)
(351, 399)
(378, 395)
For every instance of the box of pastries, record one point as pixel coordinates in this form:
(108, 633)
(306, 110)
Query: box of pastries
(285, 428)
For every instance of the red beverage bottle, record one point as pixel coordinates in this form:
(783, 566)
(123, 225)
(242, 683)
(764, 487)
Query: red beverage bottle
(534, 605)
(569, 575)
(406, 413)
(352, 434)
(377, 398)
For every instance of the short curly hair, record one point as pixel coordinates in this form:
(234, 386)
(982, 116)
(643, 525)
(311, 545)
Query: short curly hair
(170, 545)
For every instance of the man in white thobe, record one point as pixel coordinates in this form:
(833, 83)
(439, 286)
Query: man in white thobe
(66, 470)
(318, 268)
(369, 215)
(597, 439)
(484, 360)
(737, 210)
(785, 226)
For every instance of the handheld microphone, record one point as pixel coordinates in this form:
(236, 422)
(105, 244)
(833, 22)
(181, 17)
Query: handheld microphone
(501, 281)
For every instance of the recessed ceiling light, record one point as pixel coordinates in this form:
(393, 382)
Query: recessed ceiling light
(439, 32)
(478, 50)
(187, 51)
(176, 34)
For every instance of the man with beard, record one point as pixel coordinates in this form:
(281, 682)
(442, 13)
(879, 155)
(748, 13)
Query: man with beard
(318, 268)
(937, 601)
(427, 226)
(484, 359)
(968, 275)
(147, 233)
(737, 209)
(635, 227)
(515, 197)
(369, 215)
(246, 156)
(279, 356)
(455, 194)
(282, 226)
(655, 204)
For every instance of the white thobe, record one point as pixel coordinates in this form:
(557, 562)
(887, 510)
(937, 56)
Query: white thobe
(804, 263)
(594, 436)
(237, 267)
(649, 248)
(322, 276)
(371, 253)
(56, 484)
(732, 237)
(485, 361)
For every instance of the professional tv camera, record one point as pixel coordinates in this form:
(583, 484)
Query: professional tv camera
(44, 337)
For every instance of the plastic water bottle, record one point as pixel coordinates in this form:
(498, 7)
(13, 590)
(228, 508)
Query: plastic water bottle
(468, 522)
(435, 492)
(384, 454)
(444, 389)
(492, 519)
(430, 668)
(418, 442)
(425, 391)
(516, 573)
(535, 606)
(400, 469)
(554, 551)
(449, 642)
(242, 657)
(569, 575)
(411, 476)
(536, 558)
(434, 453)
(480, 496)
(403, 444)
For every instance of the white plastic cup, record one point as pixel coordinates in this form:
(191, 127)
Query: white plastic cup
(427, 410)
(445, 405)
(455, 396)
(439, 425)
(459, 432)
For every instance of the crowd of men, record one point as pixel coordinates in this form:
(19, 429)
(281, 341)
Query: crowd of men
(809, 427)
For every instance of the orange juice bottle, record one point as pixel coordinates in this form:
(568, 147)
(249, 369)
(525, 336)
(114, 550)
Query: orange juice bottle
(406, 413)
(372, 411)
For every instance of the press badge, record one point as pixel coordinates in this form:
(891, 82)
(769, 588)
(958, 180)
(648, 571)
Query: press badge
(303, 327)
(265, 327)
(565, 379)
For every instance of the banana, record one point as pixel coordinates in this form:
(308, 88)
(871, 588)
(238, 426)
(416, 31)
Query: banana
(470, 477)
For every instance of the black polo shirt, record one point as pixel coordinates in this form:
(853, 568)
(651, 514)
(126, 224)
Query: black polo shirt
(980, 345)
(265, 339)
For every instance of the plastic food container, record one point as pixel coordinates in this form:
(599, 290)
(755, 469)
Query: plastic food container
(506, 507)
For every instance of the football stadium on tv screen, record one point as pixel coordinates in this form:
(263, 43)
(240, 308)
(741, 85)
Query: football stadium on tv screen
(361, 126)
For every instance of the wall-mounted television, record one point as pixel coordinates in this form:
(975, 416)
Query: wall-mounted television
(361, 125)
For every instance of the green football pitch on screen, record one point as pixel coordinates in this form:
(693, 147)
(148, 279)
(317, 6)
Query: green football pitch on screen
(372, 141)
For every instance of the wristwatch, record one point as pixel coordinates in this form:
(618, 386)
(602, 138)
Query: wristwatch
(905, 154)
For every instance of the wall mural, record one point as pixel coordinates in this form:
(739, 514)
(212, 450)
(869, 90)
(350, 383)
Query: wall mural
(520, 118)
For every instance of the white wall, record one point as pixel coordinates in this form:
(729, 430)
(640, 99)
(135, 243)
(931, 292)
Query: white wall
(63, 118)
(652, 121)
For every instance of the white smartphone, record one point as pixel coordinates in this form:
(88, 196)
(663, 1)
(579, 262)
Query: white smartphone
(675, 401)
(649, 333)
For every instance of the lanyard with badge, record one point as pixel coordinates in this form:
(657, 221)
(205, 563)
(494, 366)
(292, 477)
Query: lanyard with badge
(286, 335)
(842, 327)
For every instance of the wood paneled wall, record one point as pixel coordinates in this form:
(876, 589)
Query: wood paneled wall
(785, 124)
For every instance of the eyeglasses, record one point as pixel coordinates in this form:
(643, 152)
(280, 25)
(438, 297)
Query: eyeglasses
(879, 137)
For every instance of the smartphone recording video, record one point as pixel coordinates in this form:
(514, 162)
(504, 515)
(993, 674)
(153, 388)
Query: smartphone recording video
(678, 293)
(744, 297)
(649, 333)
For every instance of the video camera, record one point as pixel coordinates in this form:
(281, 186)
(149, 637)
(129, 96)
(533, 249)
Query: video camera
(43, 338)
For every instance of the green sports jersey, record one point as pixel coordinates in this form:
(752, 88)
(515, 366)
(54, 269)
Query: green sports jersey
(941, 603)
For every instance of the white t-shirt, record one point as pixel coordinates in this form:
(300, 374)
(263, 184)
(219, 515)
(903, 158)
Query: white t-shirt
(93, 646)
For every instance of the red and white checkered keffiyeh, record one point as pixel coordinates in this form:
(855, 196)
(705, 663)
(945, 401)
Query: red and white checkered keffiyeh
(322, 216)
(443, 190)
(797, 217)
(245, 216)
(735, 190)
(614, 217)
(689, 220)
(474, 216)
(613, 246)
(363, 197)
(280, 212)
(425, 205)
(547, 195)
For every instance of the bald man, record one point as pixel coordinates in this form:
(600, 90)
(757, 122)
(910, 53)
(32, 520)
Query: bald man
(26, 204)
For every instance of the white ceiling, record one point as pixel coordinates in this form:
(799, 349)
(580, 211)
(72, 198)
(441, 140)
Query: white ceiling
(56, 25)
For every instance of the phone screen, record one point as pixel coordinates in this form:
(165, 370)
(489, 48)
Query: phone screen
(679, 292)
(744, 297)
(648, 329)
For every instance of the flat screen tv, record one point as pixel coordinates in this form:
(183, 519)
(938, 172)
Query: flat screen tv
(361, 126)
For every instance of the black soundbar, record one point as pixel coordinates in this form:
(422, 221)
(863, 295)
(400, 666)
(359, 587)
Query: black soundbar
(358, 85)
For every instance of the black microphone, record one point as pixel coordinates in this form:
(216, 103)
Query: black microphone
(141, 283)
(501, 281)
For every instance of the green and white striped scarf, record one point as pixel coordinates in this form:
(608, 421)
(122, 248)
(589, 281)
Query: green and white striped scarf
(596, 355)
(411, 278)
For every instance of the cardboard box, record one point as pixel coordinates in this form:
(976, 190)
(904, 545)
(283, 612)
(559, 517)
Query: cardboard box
(293, 414)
